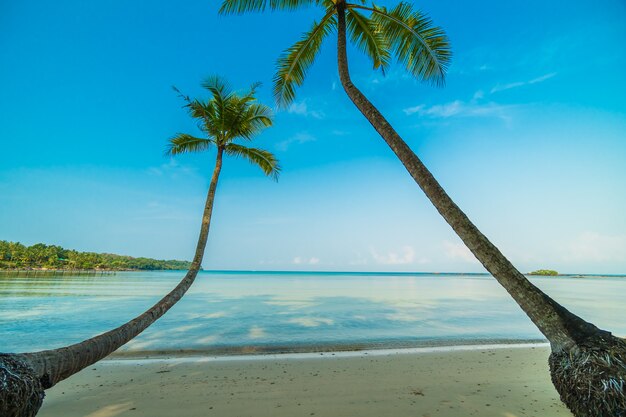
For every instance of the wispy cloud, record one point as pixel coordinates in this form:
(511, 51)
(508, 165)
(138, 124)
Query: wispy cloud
(301, 108)
(406, 255)
(477, 106)
(460, 108)
(299, 260)
(298, 138)
(171, 168)
(517, 84)
(458, 251)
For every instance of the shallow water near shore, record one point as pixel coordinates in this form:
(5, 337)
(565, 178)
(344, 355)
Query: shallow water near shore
(265, 312)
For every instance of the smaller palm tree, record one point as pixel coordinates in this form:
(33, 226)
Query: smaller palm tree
(226, 117)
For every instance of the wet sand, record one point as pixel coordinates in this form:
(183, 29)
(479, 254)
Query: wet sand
(485, 382)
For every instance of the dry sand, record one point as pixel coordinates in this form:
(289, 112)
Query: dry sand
(485, 382)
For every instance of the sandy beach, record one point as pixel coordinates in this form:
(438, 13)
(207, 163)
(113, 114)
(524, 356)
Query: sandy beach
(447, 382)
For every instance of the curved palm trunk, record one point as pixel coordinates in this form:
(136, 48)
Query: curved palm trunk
(575, 343)
(25, 376)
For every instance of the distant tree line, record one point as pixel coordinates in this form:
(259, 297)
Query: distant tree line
(14, 255)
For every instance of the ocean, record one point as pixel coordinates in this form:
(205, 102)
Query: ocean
(269, 312)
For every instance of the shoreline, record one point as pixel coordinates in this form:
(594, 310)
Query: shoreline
(306, 350)
(173, 358)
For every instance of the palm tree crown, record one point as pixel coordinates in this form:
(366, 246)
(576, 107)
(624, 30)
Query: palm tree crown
(379, 32)
(224, 118)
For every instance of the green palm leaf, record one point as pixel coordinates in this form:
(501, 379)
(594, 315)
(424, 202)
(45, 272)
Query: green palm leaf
(369, 37)
(242, 6)
(262, 158)
(222, 100)
(295, 61)
(422, 47)
(255, 118)
(184, 143)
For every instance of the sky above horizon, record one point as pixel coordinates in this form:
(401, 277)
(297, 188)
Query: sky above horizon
(528, 137)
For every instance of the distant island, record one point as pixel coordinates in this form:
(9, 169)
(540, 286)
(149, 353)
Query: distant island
(544, 272)
(14, 255)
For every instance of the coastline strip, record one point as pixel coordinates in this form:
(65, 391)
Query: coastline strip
(173, 358)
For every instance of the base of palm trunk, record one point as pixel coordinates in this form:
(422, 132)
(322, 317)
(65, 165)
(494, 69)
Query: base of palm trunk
(591, 379)
(21, 392)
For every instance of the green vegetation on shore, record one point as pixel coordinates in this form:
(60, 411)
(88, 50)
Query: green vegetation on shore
(14, 255)
(544, 272)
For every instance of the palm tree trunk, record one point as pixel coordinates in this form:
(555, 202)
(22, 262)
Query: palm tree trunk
(561, 327)
(584, 360)
(23, 377)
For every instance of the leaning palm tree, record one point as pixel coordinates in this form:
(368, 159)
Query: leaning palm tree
(588, 365)
(225, 117)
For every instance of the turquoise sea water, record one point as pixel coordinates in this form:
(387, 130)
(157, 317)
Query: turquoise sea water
(261, 311)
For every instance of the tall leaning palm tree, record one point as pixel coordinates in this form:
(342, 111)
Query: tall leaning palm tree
(588, 365)
(227, 116)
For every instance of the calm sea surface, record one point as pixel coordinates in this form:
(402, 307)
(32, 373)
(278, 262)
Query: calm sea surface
(253, 311)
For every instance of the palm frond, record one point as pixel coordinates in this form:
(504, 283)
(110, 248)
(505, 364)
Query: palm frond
(219, 87)
(369, 37)
(422, 47)
(295, 61)
(260, 157)
(204, 112)
(242, 6)
(220, 103)
(184, 143)
(181, 95)
(251, 120)
(253, 88)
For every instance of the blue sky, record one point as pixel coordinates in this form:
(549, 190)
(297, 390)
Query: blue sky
(528, 137)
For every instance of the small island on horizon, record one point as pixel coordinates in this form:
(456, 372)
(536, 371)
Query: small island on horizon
(544, 272)
(16, 256)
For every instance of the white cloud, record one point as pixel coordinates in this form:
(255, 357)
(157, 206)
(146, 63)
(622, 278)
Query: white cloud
(595, 247)
(299, 260)
(298, 138)
(478, 95)
(475, 107)
(405, 256)
(458, 251)
(171, 168)
(522, 83)
(462, 109)
(302, 109)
